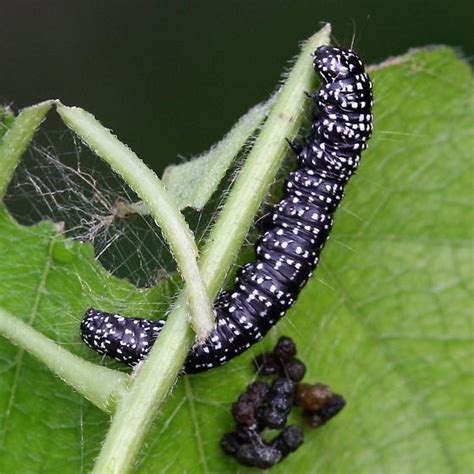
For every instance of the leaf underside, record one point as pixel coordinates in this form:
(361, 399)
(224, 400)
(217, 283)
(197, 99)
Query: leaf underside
(6, 121)
(385, 322)
(194, 182)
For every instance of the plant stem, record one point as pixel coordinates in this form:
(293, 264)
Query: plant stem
(136, 410)
(99, 385)
(16, 140)
(160, 203)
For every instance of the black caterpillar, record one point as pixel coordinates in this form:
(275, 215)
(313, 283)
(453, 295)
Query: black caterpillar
(289, 251)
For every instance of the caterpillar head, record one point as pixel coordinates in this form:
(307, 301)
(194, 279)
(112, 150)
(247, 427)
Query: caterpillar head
(334, 63)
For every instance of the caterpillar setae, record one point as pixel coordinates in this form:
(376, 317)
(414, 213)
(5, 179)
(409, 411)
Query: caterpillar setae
(289, 251)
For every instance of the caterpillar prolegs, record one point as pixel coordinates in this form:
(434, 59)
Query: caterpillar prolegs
(288, 253)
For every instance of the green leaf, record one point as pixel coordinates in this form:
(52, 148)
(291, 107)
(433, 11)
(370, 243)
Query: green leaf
(49, 282)
(7, 118)
(195, 181)
(17, 137)
(385, 322)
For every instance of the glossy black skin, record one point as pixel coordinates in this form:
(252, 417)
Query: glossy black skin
(288, 253)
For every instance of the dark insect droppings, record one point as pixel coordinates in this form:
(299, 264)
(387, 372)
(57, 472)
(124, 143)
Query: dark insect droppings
(289, 440)
(313, 397)
(295, 370)
(285, 349)
(246, 409)
(263, 406)
(328, 411)
(259, 455)
(267, 364)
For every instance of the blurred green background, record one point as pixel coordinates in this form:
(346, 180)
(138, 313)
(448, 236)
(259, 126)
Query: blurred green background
(170, 78)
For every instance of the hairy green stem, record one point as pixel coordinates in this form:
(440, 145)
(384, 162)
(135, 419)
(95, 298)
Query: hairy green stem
(160, 203)
(99, 385)
(16, 140)
(136, 410)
